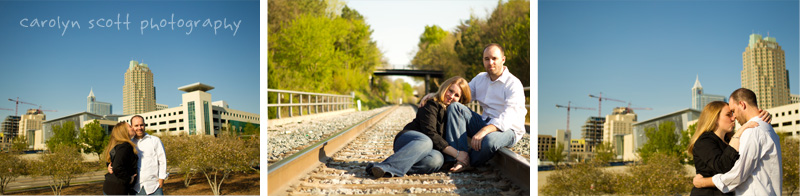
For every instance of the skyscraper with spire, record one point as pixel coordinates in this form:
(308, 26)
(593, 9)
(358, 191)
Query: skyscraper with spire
(699, 98)
(138, 93)
(764, 71)
(96, 107)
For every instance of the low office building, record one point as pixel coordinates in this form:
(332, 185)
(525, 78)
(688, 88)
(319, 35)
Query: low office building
(197, 115)
(79, 120)
(681, 120)
(546, 142)
(786, 119)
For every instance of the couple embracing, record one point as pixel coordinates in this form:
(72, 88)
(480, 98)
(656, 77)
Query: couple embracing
(445, 130)
(747, 162)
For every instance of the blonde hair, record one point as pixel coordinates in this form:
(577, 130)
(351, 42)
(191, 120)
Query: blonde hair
(466, 94)
(707, 122)
(118, 135)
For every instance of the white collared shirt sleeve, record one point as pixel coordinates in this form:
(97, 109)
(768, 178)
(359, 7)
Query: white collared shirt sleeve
(161, 157)
(744, 166)
(503, 100)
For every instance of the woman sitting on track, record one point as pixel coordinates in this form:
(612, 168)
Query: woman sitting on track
(418, 148)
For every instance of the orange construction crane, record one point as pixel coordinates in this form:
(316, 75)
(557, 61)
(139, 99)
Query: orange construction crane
(18, 102)
(570, 107)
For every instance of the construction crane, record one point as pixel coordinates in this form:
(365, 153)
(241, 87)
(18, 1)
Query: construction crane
(16, 110)
(43, 110)
(600, 102)
(570, 107)
(632, 108)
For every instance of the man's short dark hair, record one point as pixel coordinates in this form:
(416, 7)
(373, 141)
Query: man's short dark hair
(746, 95)
(137, 116)
(502, 51)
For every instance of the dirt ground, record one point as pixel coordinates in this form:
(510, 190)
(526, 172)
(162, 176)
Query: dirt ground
(236, 184)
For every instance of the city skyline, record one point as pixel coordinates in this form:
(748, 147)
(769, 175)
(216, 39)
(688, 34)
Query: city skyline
(649, 53)
(56, 67)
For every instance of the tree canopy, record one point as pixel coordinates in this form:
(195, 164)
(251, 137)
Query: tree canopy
(460, 52)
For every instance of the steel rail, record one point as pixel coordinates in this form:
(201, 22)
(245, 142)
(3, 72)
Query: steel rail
(282, 174)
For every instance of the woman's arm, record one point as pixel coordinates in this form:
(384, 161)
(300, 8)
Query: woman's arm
(735, 140)
(428, 116)
(707, 151)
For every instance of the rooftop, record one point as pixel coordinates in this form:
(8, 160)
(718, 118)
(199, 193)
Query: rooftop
(196, 87)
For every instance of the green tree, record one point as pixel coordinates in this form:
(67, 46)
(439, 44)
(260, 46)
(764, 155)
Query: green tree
(63, 134)
(661, 140)
(605, 153)
(790, 154)
(61, 165)
(555, 154)
(19, 144)
(432, 35)
(509, 26)
(13, 167)
(686, 136)
(93, 138)
(250, 129)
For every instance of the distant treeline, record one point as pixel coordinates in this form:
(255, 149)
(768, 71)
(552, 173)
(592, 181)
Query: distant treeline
(460, 52)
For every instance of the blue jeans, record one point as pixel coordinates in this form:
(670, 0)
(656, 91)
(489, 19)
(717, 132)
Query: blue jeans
(462, 124)
(159, 191)
(413, 154)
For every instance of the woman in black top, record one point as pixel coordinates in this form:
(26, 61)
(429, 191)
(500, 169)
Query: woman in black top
(709, 145)
(418, 148)
(122, 155)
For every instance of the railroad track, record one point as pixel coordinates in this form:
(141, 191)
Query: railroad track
(336, 166)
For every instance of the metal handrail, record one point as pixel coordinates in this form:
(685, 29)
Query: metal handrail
(318, 102)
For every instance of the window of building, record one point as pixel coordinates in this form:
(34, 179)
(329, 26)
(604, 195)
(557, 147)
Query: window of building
(192, 125)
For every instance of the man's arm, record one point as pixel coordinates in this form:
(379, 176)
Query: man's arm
(701, 182)
(743, 168)
(514, 111)
(162, 163)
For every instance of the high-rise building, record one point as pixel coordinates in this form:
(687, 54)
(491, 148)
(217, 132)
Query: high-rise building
(764, 71)
(138, 93)
(618, 123)
(10, 127)
(592, 132)
(794, 98)
(96, 107)
(700, 99)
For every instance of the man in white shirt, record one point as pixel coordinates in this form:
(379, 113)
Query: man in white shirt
(758, 171)
(503, 120)
(152, 160)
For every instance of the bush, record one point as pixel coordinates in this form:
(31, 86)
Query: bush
(586, 178)
(662, 175)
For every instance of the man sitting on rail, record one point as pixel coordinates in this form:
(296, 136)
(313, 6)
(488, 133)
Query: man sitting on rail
(503, 120)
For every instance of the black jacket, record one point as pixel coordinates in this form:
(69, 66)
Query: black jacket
(430, 121)
(712, 156)
(123, 163)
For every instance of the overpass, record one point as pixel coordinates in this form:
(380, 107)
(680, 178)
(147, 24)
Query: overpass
(410, 72)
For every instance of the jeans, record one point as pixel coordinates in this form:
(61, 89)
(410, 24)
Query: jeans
(159, 191)
(413, 154)
(462, 124)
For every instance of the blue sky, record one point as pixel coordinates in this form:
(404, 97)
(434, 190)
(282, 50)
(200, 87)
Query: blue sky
(649, 53)
(397, 24)
(42, 66)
